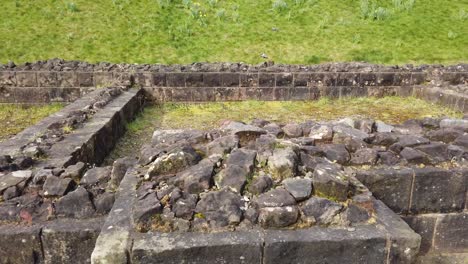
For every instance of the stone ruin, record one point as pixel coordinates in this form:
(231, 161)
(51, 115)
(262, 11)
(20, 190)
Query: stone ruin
(350, 190)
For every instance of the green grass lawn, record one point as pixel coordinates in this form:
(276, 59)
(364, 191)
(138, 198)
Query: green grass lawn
(205, 116)
(184, 31)
(15, 118)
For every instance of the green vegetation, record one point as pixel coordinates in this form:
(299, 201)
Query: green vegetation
(204, 116)
(15, 118)
(286, 31)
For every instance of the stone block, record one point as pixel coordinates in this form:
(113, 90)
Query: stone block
(85, 79)
(7, 79)
(352, 91)
(194, 79)
(347, 79)
(322, 79)
(266, 80)
(211, 79)
(418, 78)
(300, 93)
(225, 247)
(20, 244)
(265, 93)
(315, 245)
(402, 79)
(230, 79)
(329, 91)
(70, 241)
(392, 186)
(282, 93)
(249, 80)
(30, 95)
(67, 79)
(26, 79)
(226, 93)
(368, 78)
(159, 79)
(203, 94)
(142, 79)
(284, 80)
(301, 79)
(175, 79)
(437, 191)
(385, 78)
(455, 78)
(452, 233)
(47, 79)
(181, 94)
(103, 79)
(423, 225)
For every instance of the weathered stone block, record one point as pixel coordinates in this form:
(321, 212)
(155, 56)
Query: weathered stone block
(301, 79)
(20, 244)
(26, 79)
(203, 94)
(284, 80)
(85, 79)
(159, 79)
(226, 94)
(418, 78)
(230, 79)
(143, 79)
(300, 93)
(104, 79)
(47, 79)
(211, 79)
(175, 79)
(67, 79)
(282, 93)
(455, 78)
(368, 79)
(181, 94)
(452, 233)
(249, 80)
(402, 79)
(438, 190)
(391, 186)
(7, 79)
(194, 79)
(70, 241)
(347, 79)
(423, 225)
(385, 78)
(249, 93)
(266, 80)
(265, 93)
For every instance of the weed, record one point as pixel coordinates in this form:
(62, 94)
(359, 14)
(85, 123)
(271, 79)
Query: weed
(279, 5)
(462, 15)
(67, 129)
(356, 38)
(452, 35)
(71, 7)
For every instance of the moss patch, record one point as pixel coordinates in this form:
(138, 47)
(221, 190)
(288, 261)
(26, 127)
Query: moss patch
(15, 118)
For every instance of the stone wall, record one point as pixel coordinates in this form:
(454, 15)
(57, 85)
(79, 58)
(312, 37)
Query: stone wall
(58, 80)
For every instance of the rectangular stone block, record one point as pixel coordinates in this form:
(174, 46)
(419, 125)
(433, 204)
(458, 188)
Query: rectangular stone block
(329, 91)
(249, 80)
(211, 79)
(235, 247)
(438, 191)
(26, 79)
(282, 93)
(266, 93)
(385, 78)
(402, 79)
(194, 79)
(67, 79)
(70, 241)
(181, 94)
(31, 95)
(347, 79)
(423, 225)
(20, 244)
(381, 91)
(353, 91)
(323, 79)
(314, 93)
(249, 93)
(266, 80)
(227, 93)
(123, 78)
(159, 79)
(368, 78)
(300, 93)
(418, 78)
(157, 94)
(203, 94)
(7, 79)
(316, 245)
(64, 94)
(175, 79)
(144, 79)
(230, 79)
(284, 79)
(103, 79)
(391, 186)
(47, 79)
(452, 233)
(302, 79)
(85, 79)
(455, 78)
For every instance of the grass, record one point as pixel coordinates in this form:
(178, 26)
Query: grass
(184, 31)
(205, 116)
(15, 118)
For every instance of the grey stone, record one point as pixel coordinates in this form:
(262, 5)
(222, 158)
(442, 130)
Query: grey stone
(365, 125)
(220, 208)
(74, 172)
(168, 137)
(274, 129)
(423, 225)
(260, 184)
(222, 145)
(283, 163)
(310, 162)
(364, 156)
(76, 204)
(293, 130)
(412, 140)
(104, 203)
(352, 144)
(382, 127)
(239, 167)
(336, 153)
(242, 157)
(185, 207)
(197, 178)
(320, 210)
(277, 217)
(347, 121)
(275, 198)
(461, 141)
(329, 181)
(55, 186)
(349, 132)
(384, 139)
(451, 233)
(445, 135)
(354, 214)
(321, 133)
(40, 176)
(388, 158)
(146, 207)
(13, 179)
(10, 193)
(299, 188)
(454, 123)
(175, 161)
(96, 175)
(436, 151)
(241, 128)
(414, 156)
(119, 168)
(20, 244)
